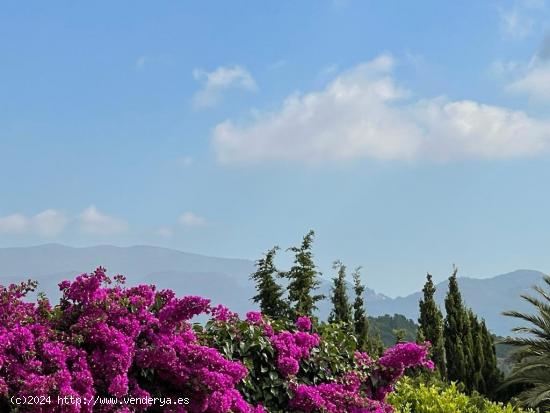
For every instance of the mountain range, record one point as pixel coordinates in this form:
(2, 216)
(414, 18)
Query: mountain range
(488, 297)
(226, 280)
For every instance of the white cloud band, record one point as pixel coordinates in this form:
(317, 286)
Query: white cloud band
(363, 114)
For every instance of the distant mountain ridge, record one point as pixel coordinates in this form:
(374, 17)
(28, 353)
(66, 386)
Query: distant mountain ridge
(226, 280)
(138, 260)
(488, 297)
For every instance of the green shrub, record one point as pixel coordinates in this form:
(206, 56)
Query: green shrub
(417, 397)
(240, 340)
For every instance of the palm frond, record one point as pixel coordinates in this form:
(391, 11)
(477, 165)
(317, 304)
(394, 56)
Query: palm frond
(532, 354)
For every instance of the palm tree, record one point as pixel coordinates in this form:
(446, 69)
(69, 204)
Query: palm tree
(532, 369)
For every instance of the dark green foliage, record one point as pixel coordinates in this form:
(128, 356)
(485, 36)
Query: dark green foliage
(376, 345)
(477, 379)
(456, 341)
(386, 325)
(269, 293)
(420, 336)
(264, 384)
(531, 372)
(399, 335)
(333, 357)
(303, 280)
(431, 325)
(491, 373)
(470, 349)
(341, 308)
(366, 340)
(242, 341)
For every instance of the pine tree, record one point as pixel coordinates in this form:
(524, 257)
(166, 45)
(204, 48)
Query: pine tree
(269, 293)
(341, 308)
(304, 281)
(431, 325)
(456, 323)
(360, 319)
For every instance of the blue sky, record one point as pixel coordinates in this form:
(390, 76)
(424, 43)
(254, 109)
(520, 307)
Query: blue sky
(409, 135)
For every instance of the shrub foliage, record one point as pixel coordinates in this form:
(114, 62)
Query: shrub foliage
(417, 397)
(104, 339)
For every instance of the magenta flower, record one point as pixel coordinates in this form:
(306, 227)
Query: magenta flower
(303, 323)
(254, 317)
(105, 339)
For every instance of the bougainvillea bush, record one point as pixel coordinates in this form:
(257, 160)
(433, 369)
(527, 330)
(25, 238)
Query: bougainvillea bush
(292, 369)
(135, 347)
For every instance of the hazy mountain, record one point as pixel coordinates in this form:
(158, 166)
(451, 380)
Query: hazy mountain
(488, 297)
(137, 261)
(226, 281)
(222, 280)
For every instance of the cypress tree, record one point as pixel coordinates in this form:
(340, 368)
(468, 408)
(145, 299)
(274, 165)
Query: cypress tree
(360, 319)
(303, 276)
(431, 325)
(376, 345)
(469, 350)
(456, 322)
(420, 338)
(477, 379)
(490, 371)
(341, 308)
(269, 293)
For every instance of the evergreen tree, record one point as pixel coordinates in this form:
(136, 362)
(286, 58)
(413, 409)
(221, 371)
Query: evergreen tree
(341, 308)
(303, 280)
(491, 373)
(469, 350)
(431, 325)
(476, 377)
(360, 319)
(420, 338)
(375, 345)
(269, 293)
(457, 350)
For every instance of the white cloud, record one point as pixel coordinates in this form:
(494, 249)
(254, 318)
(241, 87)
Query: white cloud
(48, 223)
(14, 224)
(94, 222)
(534, 83)
(215, 82)
(534, 80)
(190, 219)
(364, 114)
